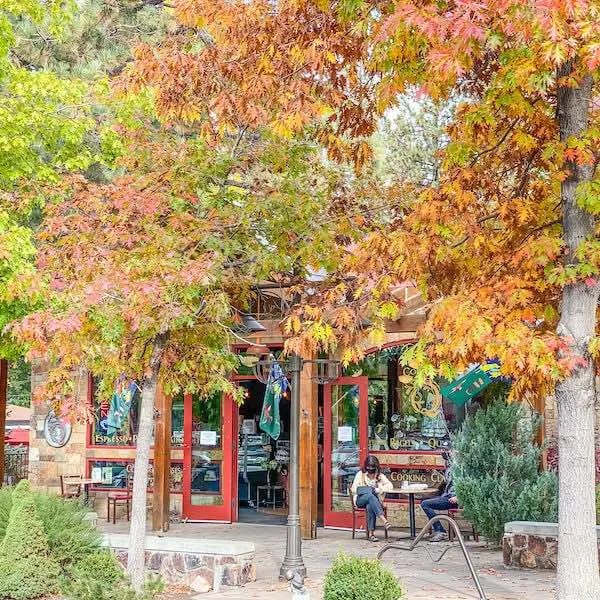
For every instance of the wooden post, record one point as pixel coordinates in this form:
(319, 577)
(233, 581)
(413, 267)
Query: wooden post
(162, 463)
(308, 452)
(3, 395)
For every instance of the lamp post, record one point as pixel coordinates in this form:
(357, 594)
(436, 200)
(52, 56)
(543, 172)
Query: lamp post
(327, 370)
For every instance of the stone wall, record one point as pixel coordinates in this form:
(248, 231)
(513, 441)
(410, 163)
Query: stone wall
(531, 545)
(202, 565)
(46, 463)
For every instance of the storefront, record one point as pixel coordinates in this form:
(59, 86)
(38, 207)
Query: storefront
(222, 465)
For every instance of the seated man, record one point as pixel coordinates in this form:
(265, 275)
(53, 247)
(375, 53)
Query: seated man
(446, 501)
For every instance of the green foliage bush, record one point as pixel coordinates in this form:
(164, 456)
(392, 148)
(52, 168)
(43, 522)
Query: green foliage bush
(354, 578)
(27, 569)
(70, 537)
(66, 551)
(496, 471)
(99, 576)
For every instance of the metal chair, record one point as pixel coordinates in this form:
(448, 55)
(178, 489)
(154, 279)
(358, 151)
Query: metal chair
(361, 513)
(117, 498)
(70, 486)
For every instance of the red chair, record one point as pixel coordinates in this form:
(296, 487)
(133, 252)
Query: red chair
(361, 513)
(120, 498)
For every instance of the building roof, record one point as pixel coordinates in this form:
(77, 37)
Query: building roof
(17, 413)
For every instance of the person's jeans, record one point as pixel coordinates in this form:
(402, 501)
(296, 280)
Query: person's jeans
(373, 506)
(430, 505)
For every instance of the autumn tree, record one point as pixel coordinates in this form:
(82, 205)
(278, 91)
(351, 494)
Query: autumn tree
(43, 125)
(146, 276)
(504, 247)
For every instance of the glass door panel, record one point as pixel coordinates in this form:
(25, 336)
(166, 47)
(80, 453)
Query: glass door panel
(207, 458)
(345, 438)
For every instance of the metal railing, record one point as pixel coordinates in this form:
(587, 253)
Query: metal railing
(16, 463)
(451, 523)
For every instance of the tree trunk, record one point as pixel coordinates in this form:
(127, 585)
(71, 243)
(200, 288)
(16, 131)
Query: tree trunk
(137, 529)
(577, 572)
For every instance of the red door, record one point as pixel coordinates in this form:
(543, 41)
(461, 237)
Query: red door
(345, 445)
(208, 458)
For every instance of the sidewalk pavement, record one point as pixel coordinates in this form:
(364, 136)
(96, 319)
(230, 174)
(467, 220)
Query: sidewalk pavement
(421, 578)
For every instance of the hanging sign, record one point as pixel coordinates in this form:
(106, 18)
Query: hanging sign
(470, 384)
(57, 431)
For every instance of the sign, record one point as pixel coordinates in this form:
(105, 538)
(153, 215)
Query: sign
(249, 426)
(97, 475)
(469, 385)
(433, 478)
(345, 434)
(208, 438)
(57, 431)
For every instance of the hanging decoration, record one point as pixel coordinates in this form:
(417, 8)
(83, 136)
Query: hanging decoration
(473, 382)
(57, 431)
(277, 385)
(120, 404)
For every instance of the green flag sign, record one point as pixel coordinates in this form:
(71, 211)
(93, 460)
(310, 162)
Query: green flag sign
(470, 384)
(270, 421)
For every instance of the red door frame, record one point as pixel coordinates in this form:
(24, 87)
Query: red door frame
(226, 511)
(336, 518)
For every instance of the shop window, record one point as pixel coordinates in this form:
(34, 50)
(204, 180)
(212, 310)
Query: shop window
(112, 474)
(401, 415)
(127, 434)
(207, 451)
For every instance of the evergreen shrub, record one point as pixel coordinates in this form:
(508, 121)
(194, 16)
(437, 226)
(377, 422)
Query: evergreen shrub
(26, 568)
(99, 576)
(70, 536)
(354, 578)
(496, 470)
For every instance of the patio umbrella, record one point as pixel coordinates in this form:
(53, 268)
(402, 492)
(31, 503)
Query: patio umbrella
(269, 417)
(120, 405)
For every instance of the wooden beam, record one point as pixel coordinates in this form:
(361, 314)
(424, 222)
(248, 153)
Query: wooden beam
(406, 323)
(162, 463)
(308, 452)
(3, 396)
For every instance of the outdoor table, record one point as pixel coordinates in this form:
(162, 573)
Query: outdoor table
(85, 484)
(411, 493)
(270, 489)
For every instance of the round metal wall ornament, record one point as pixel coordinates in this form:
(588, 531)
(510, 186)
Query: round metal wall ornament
(57, 431)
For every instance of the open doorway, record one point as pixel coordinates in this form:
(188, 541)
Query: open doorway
(262, 462)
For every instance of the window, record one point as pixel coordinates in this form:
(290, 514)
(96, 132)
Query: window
(402, 416)
(127, 435)
(112, 474)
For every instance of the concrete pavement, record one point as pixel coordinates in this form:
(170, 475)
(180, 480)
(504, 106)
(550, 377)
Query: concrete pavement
(421, 578)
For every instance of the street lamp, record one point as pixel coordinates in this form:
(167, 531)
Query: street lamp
(327, 371)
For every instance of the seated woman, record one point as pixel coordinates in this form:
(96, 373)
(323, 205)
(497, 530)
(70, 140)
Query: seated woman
(368, 489)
